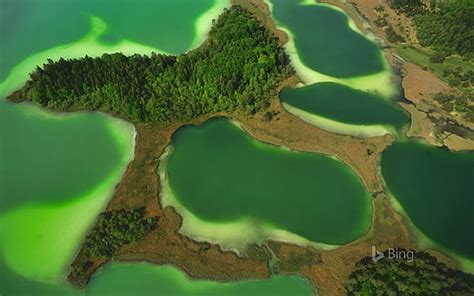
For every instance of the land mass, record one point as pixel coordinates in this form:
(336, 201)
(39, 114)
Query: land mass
(248, 95)
(440, 102)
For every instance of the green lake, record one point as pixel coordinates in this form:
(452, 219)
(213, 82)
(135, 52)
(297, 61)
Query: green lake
(146, 279)
(344, 104)
(325, 42)
(221, 174)
(435, 188)
(31, 26)
(57, 171)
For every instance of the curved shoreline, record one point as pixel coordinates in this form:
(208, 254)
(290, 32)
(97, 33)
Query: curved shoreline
(140, 186)
(66, 222)
(239, 235)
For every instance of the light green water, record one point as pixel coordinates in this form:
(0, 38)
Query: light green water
(145, 279)
(31, 26)
(58, 171)
(344, 104)
(222, 175)
(51, 188)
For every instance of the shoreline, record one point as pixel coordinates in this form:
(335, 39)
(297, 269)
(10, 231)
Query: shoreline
(327, 270)
(428, 122)
(167, 246)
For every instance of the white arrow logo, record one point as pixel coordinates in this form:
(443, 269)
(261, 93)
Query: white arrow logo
(376, 255)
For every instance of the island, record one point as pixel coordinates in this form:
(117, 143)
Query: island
(238, 73)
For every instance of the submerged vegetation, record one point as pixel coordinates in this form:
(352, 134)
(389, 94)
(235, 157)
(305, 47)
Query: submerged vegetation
(116, 228)
(237, 68)
(423, 275)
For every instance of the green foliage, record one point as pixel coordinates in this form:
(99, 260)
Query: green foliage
(237, 68)
(438, 57)
(392, 36)
(462, 104)
(422, 276)
(443, 25)
(115, 229)
(409, 7)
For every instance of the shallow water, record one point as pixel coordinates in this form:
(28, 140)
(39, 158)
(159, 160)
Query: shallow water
(221, 174)
(324, 40)
(145, 279)
(344, 104)
(57, 172)
(51, 158)
(30, 26)
(434, 187)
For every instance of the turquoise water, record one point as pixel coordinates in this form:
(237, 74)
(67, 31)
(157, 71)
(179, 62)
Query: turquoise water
(221, 174)
(325, 42)
(52, 159)
(30, 26)
(144, 279)
(58, 171)
(435, 188)
(344, 104)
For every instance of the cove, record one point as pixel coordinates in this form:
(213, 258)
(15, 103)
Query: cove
(434, 187)
(31, 26)
(344, 104)
(221, 175)
(324, 40)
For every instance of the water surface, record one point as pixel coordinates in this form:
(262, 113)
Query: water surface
(221, 174)
(324, 40)
(344, 104)
(435, 188)
(30, 26)
(145, 279)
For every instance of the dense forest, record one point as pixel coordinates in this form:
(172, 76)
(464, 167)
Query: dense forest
(237, 68)
(446, 26)
(422, 276)
(116, 228)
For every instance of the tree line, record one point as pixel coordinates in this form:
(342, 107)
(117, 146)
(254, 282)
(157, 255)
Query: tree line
(422, 276)
(446, 26)
(237, 68)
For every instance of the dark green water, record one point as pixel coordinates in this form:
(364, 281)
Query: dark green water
(435, 188)
(30, 26)
(44, 159)
(145, 279)
(55, 170)
(344, 104)
(221, 174)
(325, 42)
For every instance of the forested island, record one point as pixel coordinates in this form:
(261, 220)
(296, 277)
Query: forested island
(237, 68)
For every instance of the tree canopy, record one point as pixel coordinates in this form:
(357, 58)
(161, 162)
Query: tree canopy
(445, 26)
(237, 68)
(422, 276)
